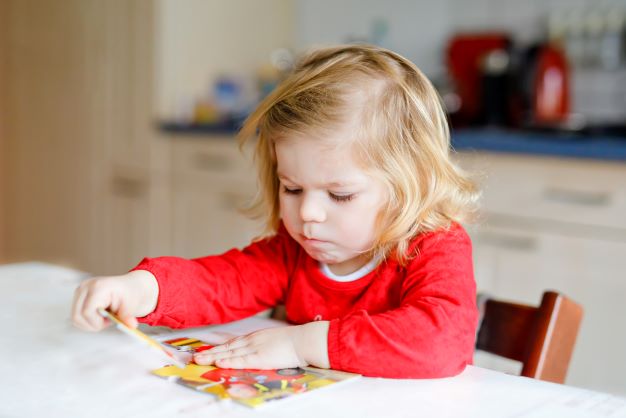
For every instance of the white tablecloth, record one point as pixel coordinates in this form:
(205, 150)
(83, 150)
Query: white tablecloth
(50, 369)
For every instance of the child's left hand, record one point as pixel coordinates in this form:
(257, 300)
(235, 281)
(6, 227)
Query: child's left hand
(273, 348)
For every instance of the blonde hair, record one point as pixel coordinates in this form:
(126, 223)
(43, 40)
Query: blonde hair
(403, 139)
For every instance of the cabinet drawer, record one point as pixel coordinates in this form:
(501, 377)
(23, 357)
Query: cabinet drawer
(213, 158)
(207, 217)
(581, 192)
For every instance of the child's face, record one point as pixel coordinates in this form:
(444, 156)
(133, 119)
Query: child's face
(328, 203)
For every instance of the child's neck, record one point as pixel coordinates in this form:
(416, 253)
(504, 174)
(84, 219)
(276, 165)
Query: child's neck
(349, 266)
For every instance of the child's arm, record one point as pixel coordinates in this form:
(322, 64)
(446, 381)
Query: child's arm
(130, 295)
(432, 332)
(221, 288)
(430, 335)
(274, 348)
(179, 293)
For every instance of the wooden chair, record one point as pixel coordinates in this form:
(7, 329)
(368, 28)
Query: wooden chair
(279, 312)
(542, 338)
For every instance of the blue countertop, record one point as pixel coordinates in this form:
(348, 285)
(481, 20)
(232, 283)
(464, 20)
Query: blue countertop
(563, 145)
(597, 147)
(221, 128)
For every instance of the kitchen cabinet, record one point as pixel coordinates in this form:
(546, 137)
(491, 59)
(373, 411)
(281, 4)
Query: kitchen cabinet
(135, 221)
(134, 206)
(87, 181)
(571, 192)
(556, 224)
(50, 175)
(212, 182)
(87, 176)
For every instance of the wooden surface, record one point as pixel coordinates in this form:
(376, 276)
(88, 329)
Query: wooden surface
(542, 338)
(4, 9)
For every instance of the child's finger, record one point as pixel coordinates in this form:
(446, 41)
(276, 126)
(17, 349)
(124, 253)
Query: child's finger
(203, 360)
(126, 316)
(250, 361)
(80, 310)
(208, 357)
(77, 309)
(90, 312)
(237, 342)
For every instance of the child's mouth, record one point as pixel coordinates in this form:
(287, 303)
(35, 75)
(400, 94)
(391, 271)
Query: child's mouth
(312, 241)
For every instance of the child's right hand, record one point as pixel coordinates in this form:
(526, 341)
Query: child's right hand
(129, 296)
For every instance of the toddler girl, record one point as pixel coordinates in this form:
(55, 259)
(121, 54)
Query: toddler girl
(363, 245)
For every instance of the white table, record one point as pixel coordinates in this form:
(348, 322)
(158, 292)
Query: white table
(51, 369)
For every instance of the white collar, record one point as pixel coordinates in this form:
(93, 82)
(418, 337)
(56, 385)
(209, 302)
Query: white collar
(363, 271)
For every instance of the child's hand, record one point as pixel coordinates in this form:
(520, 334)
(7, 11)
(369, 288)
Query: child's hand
(131, 295)
(273, 348)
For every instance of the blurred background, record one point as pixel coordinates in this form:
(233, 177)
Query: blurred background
(117, 121)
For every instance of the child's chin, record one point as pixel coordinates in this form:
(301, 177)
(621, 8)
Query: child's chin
(324, 258)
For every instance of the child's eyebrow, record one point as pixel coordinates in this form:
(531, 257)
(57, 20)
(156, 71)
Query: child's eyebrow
(329, 184)
(283, 177)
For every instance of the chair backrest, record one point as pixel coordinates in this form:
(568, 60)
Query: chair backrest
(279, 312)
(542, 338)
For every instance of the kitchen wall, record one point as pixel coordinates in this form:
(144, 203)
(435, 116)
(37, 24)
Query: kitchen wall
(198, 40)
(416, 29)
(419, 29)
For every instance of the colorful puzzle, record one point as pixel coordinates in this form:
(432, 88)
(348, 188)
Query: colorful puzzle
(249, 387)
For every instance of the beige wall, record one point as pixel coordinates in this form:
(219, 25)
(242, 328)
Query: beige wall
(198, 40)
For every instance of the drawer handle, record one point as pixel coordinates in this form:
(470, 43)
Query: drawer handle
(211, 162)
(128, 187)
(577, 197)
(511, 242)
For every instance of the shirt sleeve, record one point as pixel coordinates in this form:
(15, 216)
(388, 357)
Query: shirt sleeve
(431, 334)
(220, 288)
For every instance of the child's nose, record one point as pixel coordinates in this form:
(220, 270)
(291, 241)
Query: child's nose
(311, 210)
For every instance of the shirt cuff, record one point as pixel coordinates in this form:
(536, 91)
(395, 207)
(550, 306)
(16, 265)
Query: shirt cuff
(334, 344)
(161, 314)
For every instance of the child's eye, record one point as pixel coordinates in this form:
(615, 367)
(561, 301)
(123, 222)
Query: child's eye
(291, 191)
(341, 197)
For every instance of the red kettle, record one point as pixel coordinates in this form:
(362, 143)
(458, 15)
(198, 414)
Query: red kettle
(551, 89)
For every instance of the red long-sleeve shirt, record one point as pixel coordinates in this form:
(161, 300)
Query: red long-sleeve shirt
(416, 321)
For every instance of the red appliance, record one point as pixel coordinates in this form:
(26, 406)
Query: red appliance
(464, 60)
(551, 97)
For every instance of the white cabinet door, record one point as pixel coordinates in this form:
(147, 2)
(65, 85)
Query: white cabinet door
(598, 272)
(212, 182)
(509, 259)
(206, 218)
(521, 265)
(506, 266)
